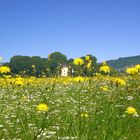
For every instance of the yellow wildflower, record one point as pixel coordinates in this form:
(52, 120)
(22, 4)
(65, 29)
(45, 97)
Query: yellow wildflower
(87, 58)
(19, 81)
(33, 66)
(131, 110)
(132, 70)
(79, 79)
(84, 115)
(42, 107)
(78, 61)
(4, 69)
(104, 88)
(105, 69)
(137, 66)
(89, 65)
(120, 82)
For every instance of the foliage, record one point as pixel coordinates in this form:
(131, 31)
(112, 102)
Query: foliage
(55, 60)
(23, 64)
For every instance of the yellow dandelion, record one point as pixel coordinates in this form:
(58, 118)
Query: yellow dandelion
(89, 65)
(84, 115)
(104, 88)
(105, 69)
(120, 81)
(132, 111)
(87, 58)
(42, 107)
(137, 66)
(132, 71)
(4, 69)
(79, 79)
(19, 81)
(78, 61)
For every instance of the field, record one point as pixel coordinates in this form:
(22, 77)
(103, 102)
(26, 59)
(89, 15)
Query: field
(97, 108)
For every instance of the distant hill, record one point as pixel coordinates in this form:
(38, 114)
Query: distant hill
(124, 62)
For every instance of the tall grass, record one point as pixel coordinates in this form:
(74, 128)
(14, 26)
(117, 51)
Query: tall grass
(78, 109)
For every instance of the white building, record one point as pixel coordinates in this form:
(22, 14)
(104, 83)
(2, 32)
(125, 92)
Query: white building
(64, 71)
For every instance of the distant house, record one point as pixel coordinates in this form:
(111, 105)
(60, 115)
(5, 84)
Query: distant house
(64, 70)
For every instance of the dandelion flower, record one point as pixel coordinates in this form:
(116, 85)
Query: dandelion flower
(78, 61)
(132, 111)
(89, 65)
(87, 58)
(120, 81)
(42, 107)
(79, 79)
(132, 71)
(105, 69)
(19, 81)
(4, 69)
(137, 66)
(84, 115)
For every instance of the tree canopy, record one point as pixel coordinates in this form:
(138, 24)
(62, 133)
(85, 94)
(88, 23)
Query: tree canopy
(50, 66)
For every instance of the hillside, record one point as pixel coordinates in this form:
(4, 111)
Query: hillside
(124, 61)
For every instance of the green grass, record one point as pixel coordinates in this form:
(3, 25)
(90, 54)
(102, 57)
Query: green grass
(106, 119)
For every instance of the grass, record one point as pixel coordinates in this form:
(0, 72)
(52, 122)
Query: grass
(79, 109)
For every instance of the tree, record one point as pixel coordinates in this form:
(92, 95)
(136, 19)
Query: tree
(40, 65)
(55, 60)
(19, 64)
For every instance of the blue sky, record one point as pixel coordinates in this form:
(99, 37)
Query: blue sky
(107, 29)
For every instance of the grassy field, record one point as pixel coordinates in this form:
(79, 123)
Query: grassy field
(98, 108)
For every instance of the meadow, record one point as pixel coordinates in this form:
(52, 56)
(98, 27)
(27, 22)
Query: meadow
(74, 108)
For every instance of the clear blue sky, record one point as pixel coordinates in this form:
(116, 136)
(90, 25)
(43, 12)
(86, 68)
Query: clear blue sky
(107, 29)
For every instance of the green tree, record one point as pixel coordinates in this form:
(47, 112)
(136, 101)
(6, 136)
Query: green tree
(19, 64)
(56, 59)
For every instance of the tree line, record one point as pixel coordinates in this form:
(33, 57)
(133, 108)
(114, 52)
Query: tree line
(50, 66)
